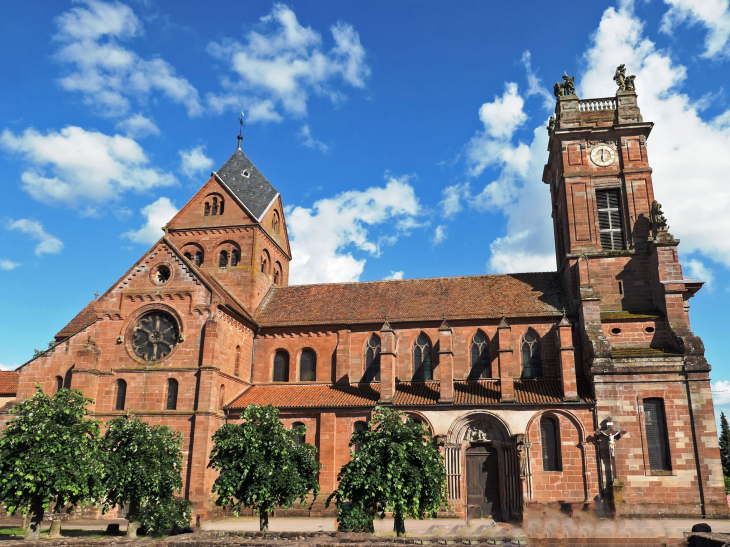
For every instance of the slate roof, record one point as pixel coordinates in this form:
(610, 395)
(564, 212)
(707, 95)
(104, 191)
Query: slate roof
(9, 383)
(83, 319)
(254, 191)
(538, 391)
(469, 297)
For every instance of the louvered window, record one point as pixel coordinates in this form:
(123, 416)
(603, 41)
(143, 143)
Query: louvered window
(531, 363)
(298, 439)
(308, 366)
(171, 394)
(422, 359)
(479, 356)
(549, 441)
(609, 219)
(656, 435)
(372, 360)
(121, 394)
(281, 366)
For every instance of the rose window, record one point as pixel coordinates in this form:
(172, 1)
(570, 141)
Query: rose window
(154, 336)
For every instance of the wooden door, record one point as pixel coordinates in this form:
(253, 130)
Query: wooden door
(482, 480)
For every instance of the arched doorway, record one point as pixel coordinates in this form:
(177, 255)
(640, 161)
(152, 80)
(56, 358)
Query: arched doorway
(482, 466)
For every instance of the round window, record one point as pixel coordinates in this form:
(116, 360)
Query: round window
(154, 336)
(615, 330)
(161, 274)
(649, 330)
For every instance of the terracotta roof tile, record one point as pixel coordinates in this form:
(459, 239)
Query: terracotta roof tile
(584, 391)
(477, 392)
(416, 393)
(83, 319)
(309, 395)
(9, 383)
(472, 297)
(538, 391)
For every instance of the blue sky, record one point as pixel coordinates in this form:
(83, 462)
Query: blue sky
(406, 138)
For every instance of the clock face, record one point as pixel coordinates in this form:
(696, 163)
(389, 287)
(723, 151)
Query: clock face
(154, 336)
(603, 155)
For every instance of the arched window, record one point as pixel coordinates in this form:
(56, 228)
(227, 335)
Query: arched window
(359, 426)
(298, 439)
(276, 277)
(215, 205)
(198, 258)
(223, 260)
(188, 256)
(277, 273)
(237, 364)
(479, 356)
(222, 396)
(657, 441)
(531, 364)
(372, 359)
(59, 383)
(308, 366)
(206, 208)
(235, 257)
(171, 394)
(265, 262)
(422, 359)
(67, 378)
(121, 394)
(220, 208)
(550, 440)
(281, 366)
(275, 222)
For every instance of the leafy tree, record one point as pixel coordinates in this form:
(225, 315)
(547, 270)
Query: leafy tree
(143, 467)
(171, 517)
(50, 453)
(260, 465)
(397, 469)
(724, 444)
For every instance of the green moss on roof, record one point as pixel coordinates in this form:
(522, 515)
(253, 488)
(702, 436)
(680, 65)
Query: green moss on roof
(626, 315)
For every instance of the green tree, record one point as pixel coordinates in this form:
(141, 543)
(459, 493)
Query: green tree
(50, 453)
(260, 465)
(396, 469)
(142, 468)
(724, 444)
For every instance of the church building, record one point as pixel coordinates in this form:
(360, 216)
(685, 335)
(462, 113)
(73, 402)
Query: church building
(584, 385)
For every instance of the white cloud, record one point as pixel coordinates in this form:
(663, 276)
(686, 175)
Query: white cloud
(194, 162)
(534, 86)
(47, 244)
(8, 264)
(106, 73)
(138, 126)
(79, 167)
(451, 204)
(394, 275)
(698, 270)
(279, 68)
(311, 142)
(322, 236)
(714, 15)
(721, 393)
(158, 214)
(439, 235)
(685, 151)
(8, 367)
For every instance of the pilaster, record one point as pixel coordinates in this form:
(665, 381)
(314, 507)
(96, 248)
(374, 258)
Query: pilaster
(446, 364)
(566, 357)
(342, 358)
(504, 334)
(388, 363)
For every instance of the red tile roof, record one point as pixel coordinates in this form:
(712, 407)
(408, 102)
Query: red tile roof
(85, 317)
(466, 393)
(472, 297)
(9, 383)
(477, 392)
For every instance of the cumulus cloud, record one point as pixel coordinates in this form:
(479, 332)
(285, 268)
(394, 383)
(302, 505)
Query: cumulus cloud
(323, 236)
(79, 167)
(309, 141)
(680, 137)
(106, 73)
(534, 86)
(194, 162)
(394, 275)
(8, 264)
(158, 214)
(439, 235)
(453, 195)
(279, 68)
(721, 392)
(47, 244)
(698, 270)
(138, 126)
(714, 15)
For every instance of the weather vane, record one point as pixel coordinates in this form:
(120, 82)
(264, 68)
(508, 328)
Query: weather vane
(240, 130)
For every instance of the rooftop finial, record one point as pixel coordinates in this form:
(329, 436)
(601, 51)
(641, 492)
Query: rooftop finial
(240, 130)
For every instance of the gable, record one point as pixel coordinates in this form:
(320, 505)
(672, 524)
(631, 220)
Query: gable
(267, 223)
(213, 193)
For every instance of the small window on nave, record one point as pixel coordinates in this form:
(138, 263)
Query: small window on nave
(172, 386)
(235, 257)
(308, 366)
(223, 259)
(206, 208)
(198, 258)
(372, 359)
(479, 356)
(281, 366)
(422, 369)
(359, 426)
(531, 363)
(657, 440)
(59, 383)
(121, 395)
(298, 438)
(550, 441)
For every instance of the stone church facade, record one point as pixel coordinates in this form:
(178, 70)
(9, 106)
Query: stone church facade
(582, 386)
